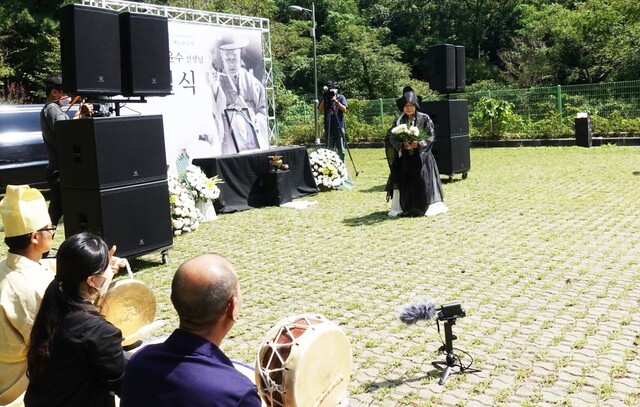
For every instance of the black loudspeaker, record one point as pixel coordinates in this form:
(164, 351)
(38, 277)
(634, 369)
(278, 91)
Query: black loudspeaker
(584, 133)
(144, 45)
(451, 148)
(452, 154)
(108, 152)
(90, 46)
(442, 71)
(450, 117)
(461, 76)
(137, 218)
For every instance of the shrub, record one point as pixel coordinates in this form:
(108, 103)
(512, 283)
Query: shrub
(493, 117)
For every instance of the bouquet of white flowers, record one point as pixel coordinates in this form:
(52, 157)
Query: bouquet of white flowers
(408, 134)
(201, 187)
(184, 215)
(328, 169)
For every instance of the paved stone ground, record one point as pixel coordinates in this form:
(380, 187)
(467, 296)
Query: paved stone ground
(541, 250)
(541, 247)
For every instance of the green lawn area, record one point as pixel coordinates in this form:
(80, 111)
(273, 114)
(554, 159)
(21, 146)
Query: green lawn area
(541, 246)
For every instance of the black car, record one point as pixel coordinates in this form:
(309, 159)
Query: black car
(23, 159)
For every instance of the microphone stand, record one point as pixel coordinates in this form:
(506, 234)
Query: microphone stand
(450, 360)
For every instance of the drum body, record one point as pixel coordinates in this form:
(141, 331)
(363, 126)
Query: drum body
(304, 361)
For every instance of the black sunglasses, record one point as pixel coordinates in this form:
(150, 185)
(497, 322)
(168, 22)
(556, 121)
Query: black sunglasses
(51, 229)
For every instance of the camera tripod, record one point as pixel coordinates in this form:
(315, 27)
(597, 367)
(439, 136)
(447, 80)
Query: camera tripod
(334, 125)
(450, 360)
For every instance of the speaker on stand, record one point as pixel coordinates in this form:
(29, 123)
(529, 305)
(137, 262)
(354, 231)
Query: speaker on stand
(113, 172)
(442, 72)
(451, 148)
(144, 46)
(90, 50)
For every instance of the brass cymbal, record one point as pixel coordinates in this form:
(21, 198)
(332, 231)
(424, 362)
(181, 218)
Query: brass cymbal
(129, 305)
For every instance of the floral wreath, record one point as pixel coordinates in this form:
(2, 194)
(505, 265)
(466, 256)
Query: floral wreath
(188, 185)
(328, 169)
(185, 217)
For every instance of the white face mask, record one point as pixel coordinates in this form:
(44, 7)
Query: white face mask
(107, 278)
(64, 101)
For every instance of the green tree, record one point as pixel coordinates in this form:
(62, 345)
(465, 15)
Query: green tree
(29, 46)
(484, 27)
(585, 43)
(347, 51)
(356, 56)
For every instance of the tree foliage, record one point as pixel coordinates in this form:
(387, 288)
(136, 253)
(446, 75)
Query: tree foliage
(375, 47)
(29, 46)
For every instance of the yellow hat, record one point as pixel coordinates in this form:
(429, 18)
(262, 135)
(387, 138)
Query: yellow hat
(23, 211)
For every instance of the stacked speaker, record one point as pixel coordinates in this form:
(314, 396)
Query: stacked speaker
(451, 148)
(113, 172)
(106, 53)
(113, 177)
(446, 67)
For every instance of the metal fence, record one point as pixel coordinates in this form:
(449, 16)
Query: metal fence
(617, 99)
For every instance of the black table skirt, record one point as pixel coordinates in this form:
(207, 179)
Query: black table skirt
(242, 175)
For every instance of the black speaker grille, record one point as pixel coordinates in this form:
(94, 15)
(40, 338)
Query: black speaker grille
(452, 154)
(450, 117)
(145, 55)
(442, 73)
(99, 153)
(137, 219)
(90, 50)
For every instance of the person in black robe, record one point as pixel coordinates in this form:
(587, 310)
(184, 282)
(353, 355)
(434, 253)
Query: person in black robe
(414, 172)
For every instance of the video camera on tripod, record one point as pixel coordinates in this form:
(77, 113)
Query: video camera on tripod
(330, 91)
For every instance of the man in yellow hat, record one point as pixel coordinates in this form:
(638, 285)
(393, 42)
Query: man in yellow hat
(24, 277)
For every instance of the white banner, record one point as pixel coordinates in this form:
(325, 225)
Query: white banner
(219, 101)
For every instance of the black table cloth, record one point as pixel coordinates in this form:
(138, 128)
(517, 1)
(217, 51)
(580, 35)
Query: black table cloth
(276, 186)
(243, 176)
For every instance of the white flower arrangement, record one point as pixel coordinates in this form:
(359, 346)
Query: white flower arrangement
(328, 169)
(184, 215)
(410, 132)
(201, 187)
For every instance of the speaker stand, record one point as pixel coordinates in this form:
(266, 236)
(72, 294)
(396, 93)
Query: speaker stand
(447, 365)
(117, 103)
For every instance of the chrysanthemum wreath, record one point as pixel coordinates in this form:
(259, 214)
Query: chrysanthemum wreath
(328, 169)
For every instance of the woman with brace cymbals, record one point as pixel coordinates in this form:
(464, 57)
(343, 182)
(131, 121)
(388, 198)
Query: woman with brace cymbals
(75, 356)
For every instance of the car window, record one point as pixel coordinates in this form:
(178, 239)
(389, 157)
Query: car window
(15, 119)
(22, 118)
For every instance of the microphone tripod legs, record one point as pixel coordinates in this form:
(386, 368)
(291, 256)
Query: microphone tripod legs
(445, 366)
(450, 360)
(444, 375)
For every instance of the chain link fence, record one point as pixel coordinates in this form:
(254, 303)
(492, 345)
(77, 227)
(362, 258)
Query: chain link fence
(540, 112)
